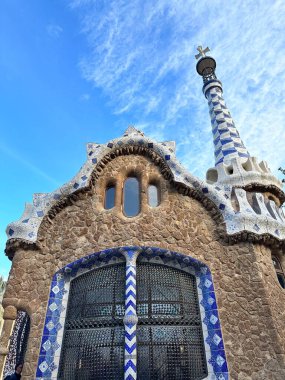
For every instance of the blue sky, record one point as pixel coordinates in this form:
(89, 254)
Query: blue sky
(73, 72)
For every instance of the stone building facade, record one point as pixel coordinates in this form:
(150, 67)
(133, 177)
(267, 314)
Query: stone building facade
(213, 248)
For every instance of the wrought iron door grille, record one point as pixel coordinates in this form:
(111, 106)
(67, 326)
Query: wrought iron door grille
(93, 354)
(169, 331)
(93, 342)
(169, 335)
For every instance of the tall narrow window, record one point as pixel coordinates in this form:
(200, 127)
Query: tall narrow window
(153, 196)
(279, 271)
(110, 197)
(131, 200)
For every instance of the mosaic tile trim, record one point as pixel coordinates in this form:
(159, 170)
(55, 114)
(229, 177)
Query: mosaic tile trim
(130, 319)
(26, 227)
(53, 328)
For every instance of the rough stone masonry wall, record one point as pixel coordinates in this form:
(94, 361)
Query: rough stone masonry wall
(274, 301)
(180, 224)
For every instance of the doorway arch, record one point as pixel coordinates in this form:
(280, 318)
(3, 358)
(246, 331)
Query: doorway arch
(215, 359)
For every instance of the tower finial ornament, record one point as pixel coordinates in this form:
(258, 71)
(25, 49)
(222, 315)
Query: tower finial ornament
(202, 52)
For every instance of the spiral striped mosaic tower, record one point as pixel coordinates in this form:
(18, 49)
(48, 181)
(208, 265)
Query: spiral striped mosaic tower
(233, 163)
(227, 142)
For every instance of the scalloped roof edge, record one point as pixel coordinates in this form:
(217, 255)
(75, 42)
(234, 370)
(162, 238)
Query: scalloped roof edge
(272, 223)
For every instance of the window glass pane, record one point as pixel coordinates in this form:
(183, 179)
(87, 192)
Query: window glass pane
(153, 200)
(110, 197)
(131, 197)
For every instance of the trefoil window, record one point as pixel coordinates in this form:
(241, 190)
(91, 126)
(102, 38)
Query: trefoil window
(132, 195)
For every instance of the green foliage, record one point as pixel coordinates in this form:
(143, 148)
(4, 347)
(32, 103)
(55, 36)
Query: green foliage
(283, 172)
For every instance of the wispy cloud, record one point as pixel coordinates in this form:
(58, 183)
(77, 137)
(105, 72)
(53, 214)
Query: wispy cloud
(142, 57)
(10, 154)
(54, 30)
(85, 97)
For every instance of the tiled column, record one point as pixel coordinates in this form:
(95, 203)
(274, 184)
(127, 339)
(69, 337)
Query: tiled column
(130, 319)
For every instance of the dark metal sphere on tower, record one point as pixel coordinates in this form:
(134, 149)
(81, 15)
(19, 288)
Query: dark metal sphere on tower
(206, 66)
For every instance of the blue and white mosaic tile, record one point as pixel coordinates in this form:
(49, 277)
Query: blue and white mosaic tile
(27, 227)
(227, 141)
(233, 163)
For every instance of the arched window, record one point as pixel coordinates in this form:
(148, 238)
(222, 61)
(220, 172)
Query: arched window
(112, 302)
(131, 197)
(153, 195)
(279, 271)
(169, 335)
(18, 342)
(170, 341)
(93, 342)
(110, 197)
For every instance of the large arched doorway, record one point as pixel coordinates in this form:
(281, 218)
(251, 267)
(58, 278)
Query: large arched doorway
(169, 335)
(134, 313)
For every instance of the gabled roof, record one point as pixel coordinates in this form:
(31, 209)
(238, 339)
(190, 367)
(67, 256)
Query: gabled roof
(270, 222)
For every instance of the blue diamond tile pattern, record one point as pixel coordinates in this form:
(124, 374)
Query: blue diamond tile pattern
(227, 142)
(54, 323)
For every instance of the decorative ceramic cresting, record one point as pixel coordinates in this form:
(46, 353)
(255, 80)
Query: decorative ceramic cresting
(233, 163)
